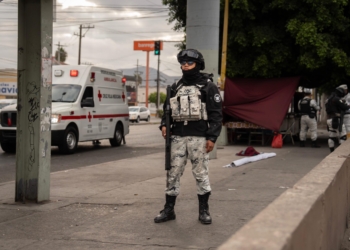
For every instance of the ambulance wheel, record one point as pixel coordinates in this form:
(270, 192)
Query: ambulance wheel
(148, 118)
(138, 119)
(118, 136)
(8, 147)
(69, 142)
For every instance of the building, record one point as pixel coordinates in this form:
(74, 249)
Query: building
(8, 84)
(131, 90)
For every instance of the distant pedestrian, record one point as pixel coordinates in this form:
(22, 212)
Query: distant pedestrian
(335, 108)
(308, 121)
(196, 118)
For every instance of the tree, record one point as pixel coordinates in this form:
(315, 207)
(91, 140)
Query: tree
(177, 13)
(153, 97)
(281, 38)
(63, 54)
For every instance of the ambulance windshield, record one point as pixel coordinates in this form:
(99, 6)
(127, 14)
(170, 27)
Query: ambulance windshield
(65, 92)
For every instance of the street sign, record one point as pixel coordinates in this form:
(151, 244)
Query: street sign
(146, 45)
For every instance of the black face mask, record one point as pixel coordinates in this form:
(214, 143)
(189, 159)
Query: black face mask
(192, 74)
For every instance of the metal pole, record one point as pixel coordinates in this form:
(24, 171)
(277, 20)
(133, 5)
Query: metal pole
(80, 29)
(59, 53)
(224, 48)
(147, 77)
(158, 94)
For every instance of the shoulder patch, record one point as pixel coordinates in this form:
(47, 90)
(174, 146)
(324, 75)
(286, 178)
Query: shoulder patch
(217, 98)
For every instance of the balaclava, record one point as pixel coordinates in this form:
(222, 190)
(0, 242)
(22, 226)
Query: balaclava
(193, 74)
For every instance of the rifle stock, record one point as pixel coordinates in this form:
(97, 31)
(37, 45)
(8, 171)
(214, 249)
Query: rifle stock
(167, 125)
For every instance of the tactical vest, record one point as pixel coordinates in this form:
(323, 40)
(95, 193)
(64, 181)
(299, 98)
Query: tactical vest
(305, 108)
(330, 107)
(187, 105)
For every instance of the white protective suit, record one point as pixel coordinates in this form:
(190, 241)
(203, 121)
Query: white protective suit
(307, 122)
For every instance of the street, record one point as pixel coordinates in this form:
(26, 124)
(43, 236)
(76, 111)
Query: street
(111, 205)
(143, 139)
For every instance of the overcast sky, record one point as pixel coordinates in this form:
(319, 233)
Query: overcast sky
(110, 43)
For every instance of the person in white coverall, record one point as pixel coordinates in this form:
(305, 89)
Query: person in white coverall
(346, 120)
(308, 109)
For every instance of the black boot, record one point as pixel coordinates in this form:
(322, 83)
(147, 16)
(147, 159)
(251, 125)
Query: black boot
(331, 149)
(302, 144)
(204, 215)
(314, 144)
(168, 212)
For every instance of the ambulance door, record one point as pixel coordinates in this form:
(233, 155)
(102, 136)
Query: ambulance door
(89, 125)
(106, 111)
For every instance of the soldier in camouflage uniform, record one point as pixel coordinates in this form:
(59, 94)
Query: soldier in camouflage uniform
(196, 119)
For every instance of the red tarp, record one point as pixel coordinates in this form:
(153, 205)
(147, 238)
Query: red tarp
(264, 102)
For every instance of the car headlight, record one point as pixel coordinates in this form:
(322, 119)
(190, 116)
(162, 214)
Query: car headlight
(55, 118)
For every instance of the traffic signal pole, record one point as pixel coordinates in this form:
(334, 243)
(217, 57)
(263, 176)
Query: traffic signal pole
(147, 77)
(158, 94)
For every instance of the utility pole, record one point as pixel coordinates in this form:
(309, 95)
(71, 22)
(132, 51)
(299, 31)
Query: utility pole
(81, 27)
(137, 81)
(59, 51)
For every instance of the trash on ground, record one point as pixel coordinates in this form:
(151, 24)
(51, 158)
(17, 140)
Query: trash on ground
(246, 160)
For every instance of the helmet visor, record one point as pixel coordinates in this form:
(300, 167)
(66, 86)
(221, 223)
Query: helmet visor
(188, 53)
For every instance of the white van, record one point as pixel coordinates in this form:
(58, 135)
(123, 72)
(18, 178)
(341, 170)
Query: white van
(88, 104)
(6, 102)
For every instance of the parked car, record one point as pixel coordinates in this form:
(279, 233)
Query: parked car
(136, 114)
(6, 102)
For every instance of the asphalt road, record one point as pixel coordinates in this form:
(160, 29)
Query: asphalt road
(143, 139)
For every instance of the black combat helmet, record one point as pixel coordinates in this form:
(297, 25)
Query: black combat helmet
(191, 54)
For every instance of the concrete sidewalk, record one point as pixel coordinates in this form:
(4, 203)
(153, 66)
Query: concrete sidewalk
(112, 205)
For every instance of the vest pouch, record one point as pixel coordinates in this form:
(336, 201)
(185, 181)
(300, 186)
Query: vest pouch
(195, 107)
(204, 111)
(175, 108)
(184, 106)
(335, 122)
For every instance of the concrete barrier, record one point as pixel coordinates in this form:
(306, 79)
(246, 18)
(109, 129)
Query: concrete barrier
(311, 215)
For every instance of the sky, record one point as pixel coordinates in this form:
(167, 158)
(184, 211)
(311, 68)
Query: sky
(116, 25)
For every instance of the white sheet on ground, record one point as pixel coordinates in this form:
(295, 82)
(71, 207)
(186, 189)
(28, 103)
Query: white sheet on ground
(246, 160)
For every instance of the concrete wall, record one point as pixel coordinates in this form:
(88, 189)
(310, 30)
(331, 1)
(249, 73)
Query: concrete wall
(311, 215)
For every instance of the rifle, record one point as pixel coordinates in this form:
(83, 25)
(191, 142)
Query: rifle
(167, 125)
(341, 121)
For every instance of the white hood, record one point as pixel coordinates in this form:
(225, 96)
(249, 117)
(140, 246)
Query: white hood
(58, 107)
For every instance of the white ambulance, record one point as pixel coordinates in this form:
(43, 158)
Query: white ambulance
(88, 104)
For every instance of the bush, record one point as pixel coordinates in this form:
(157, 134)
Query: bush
(160, 113)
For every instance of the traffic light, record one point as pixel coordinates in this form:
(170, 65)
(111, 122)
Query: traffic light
(156, 48)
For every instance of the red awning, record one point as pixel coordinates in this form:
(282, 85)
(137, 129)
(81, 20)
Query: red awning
(264, 102)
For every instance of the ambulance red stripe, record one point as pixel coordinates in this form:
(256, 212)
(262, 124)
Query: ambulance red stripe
(79, 117)
(73, 117)
(110, 116)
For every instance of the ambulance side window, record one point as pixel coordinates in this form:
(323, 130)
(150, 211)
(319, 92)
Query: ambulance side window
(89, 92)
(88, 98)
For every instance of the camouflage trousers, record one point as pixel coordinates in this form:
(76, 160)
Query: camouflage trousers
(194, 149)
(308, 123)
